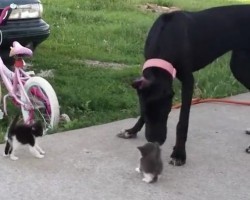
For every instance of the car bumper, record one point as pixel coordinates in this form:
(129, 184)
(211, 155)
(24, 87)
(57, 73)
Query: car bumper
(24, 31)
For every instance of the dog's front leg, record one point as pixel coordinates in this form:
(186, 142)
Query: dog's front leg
(179, 153)
(132, 132)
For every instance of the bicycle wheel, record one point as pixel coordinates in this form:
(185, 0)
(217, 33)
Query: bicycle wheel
(45, 106)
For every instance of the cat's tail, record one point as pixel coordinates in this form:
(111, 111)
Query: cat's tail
(13, 124)
(8, 149)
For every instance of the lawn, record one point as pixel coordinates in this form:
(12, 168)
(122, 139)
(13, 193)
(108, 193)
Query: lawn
(113, 32)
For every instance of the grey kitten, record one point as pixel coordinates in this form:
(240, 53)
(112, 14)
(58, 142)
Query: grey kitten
(151, 165)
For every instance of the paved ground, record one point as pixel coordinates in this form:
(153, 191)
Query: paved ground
(92, 164)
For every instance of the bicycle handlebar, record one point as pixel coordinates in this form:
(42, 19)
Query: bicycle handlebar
(4, 13)
(3, 16)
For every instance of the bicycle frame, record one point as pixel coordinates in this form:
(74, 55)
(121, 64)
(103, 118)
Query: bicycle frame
(14, 83)
(27, 92)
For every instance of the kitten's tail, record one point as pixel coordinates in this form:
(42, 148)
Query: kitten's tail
(11, 127)
(13, 123)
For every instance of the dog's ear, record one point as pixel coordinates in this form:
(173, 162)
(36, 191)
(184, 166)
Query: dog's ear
(141, 83)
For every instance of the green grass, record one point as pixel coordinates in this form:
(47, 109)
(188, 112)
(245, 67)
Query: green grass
(111, 31)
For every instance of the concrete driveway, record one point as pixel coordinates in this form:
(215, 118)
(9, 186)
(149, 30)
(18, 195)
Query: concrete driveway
(93, 164)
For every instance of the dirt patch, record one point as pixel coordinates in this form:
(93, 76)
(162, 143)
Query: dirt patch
(157, 8)
(96, 63)
(48, 73)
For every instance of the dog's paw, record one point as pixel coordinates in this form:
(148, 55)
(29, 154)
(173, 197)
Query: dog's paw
(125, 134)
(176, 162)
(178, 157)
(248, 149)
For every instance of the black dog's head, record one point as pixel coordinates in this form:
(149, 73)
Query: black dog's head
(155, 93)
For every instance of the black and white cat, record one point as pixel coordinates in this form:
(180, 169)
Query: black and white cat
(151, 165)
(22, 134)
(248, 133)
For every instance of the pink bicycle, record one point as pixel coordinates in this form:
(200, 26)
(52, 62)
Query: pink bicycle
(34, 95)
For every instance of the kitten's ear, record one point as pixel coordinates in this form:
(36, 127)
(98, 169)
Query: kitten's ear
(142, 150)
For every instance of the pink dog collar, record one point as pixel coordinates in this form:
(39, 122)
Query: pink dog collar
(156, 62)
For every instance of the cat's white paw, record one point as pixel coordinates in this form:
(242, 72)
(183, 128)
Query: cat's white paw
(137, 169)
(12, 157)
(42, 152)
(147, 180)
(39, 156)
(39, 149)
(5, 155)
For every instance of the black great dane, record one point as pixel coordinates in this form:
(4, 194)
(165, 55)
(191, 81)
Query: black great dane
(182, 42)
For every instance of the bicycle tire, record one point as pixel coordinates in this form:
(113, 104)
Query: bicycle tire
(51, 106)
